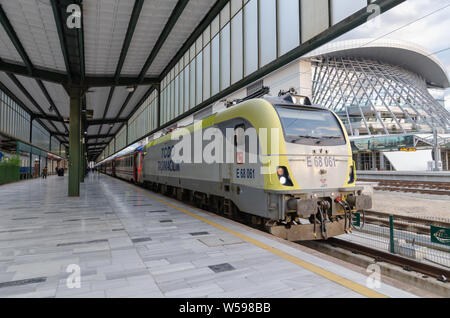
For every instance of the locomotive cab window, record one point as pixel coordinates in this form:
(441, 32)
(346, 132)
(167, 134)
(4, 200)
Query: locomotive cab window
(310, 126)
(239, 135)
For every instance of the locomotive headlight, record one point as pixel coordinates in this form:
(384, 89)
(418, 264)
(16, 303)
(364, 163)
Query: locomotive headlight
(283, 180)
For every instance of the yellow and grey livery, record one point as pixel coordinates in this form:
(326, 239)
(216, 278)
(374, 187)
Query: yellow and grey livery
(308, 191)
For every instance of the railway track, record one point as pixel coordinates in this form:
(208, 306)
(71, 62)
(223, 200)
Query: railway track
(441, 274)
(401, 222)
(409, 224)
(423, 187)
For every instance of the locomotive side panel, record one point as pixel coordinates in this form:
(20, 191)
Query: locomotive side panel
(241, 183)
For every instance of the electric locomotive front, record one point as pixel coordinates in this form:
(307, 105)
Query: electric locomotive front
(319, 192)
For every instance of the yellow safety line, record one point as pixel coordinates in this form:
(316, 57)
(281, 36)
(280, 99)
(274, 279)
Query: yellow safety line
(295, 260)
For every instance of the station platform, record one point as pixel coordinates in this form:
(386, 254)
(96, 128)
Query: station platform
(130, 242)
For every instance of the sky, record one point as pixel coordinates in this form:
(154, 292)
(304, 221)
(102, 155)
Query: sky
(431, 32)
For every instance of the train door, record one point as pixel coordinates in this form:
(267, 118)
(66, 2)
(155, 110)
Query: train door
(135, 164)
(113, 167)
(239, 159)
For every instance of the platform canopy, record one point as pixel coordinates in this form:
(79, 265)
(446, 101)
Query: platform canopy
(117, 55)
(116, 52)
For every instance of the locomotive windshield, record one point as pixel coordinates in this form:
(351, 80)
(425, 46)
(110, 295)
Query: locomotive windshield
(310, 126)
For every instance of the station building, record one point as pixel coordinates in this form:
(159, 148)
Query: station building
(380, 90)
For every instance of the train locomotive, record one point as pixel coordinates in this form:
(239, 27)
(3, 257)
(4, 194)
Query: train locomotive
(302, 187)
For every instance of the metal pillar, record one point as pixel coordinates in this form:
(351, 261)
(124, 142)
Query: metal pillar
(82, 140)
(359, 165)
(437, 152)
(382, 163)
(31, 150)
(74, 142)
(374, 161)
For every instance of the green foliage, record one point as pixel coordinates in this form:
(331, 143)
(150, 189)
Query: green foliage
(10, 162)
(10, 169)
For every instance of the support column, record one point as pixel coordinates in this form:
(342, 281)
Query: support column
(74, 142)
(158, 114)
(359, 165)
(382, 164)
(82, 150)
(374, 161)
(31, 150)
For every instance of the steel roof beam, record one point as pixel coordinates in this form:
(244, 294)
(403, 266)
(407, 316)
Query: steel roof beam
(62, 40)
(92, 122)
(98, 144)
(138, 4)
(46, 75)
(107, 81)
(15, 40)
(213, 12)
(81, 45)
(87, 137)
(108, 103)
(173, 19)
(90, 137)
(32, 100)
(171, 22)
(326, 36)
(137, 8)
(50, 101)
(25, 58)
(22, 105)
(54, 76)
(106, 121)
(139, 104)
(123, 54)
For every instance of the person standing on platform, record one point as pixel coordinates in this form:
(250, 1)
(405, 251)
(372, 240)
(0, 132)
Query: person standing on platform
(44, 173)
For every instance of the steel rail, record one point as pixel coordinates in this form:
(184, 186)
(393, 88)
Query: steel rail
(407, 264)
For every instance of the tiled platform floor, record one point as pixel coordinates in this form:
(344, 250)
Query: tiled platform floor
(130, 245)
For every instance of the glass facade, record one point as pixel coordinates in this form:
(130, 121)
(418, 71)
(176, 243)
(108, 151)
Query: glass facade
(245, 36)
(375, 98)
(55, 146)
(145, 119)
(140, 124)
(41, 137)
(14, 121)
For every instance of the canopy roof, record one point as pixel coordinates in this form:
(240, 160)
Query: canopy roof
(120, 44)
(395, 52)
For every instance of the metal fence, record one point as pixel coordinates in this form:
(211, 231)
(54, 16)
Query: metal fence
(9, 174)
(425, 239)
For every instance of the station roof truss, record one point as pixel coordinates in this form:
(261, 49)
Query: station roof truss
(379, 96)
(114, 55)
(117, 52)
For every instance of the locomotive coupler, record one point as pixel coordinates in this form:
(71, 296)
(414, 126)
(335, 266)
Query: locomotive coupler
(361, 202)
